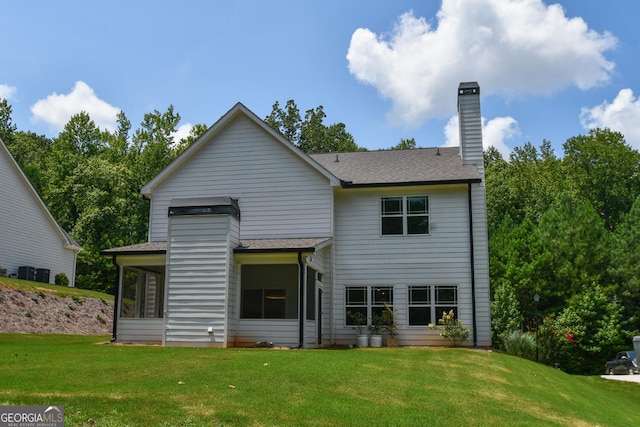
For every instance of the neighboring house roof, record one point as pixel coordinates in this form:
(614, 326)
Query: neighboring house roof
(246, 246)
(420, 166)
(67, 241)
(217, 127)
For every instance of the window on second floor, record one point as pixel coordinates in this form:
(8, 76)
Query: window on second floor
(404, 215)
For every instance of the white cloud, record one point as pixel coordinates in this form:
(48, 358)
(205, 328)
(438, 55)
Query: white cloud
(56, 110)
(7, 92)
(182, 132)
(622, 115)
(511, 47)
(495, 132)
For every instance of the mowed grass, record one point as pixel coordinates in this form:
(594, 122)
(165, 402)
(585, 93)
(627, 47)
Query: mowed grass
(115, 385)
(61, 291)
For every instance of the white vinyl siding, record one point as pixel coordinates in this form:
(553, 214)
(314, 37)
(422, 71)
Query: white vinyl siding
(280, 332)
(365, 258)
(28, 234)
(140, 331)
(280, 196)
(198, 260)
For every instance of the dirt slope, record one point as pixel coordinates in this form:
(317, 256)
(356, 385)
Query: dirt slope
(38, 312)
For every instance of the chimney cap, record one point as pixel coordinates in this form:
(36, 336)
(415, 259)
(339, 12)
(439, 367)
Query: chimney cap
(469, 88)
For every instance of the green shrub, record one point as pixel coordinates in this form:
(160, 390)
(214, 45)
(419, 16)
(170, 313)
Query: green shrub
(61, 279)
(586, 333)
(521, 344)
(452, 328)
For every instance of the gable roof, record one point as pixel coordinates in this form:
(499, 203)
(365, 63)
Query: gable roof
(67, 241)
(216, 128)
(420, 166)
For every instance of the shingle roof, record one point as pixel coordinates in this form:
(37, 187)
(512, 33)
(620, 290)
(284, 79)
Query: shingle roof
(246, 246)
(140, 248)
(399, 167)
(281, 245)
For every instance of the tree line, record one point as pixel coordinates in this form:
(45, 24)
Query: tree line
(564, 228)
(567, 230)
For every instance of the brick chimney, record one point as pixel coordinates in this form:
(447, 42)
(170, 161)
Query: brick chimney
(470, 124)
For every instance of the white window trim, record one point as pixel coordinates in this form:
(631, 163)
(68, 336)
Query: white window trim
(369, 303)
(405, 215)
(435, 315)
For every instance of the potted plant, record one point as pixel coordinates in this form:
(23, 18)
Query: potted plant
(359, 324)
(375, 327)
(389, 325)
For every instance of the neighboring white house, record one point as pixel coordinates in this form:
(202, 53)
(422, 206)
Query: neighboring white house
(251, 240)
(32, 244)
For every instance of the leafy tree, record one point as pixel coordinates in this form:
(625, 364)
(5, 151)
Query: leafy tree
(501, 199)
(605, 170)
(535, 180)
(578, 244)
(195, 133)
(518, 258)
(310, 134)
(109, 210)
(79, 140)
(587, 331)
(7, 128)
(405, 144)
(625, 264)
(31, 152)
(505, 313)
(288, 121)
(154, 143)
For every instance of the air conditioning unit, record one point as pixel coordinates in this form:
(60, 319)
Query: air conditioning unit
(42, 275)
(26, 273)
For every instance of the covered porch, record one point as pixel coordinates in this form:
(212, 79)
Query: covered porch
(274, 296)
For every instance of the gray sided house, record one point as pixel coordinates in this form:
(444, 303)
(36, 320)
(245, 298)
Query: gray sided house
(32, 244)
(251, 240)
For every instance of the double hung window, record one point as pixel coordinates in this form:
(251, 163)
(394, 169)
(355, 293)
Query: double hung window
(427, 303)
(368, 301)
(404, 215)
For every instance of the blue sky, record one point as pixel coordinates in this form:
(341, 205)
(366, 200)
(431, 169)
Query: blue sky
(387, 69)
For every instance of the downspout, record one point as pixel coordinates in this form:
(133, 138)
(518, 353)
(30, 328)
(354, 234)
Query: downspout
(302, 314)
(473, 269)
(116, 302)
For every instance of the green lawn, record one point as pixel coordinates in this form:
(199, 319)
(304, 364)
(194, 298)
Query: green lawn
(61, 291)
(116, 385)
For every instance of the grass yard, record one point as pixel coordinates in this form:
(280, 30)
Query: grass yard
(114, 385)
(61, 291)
